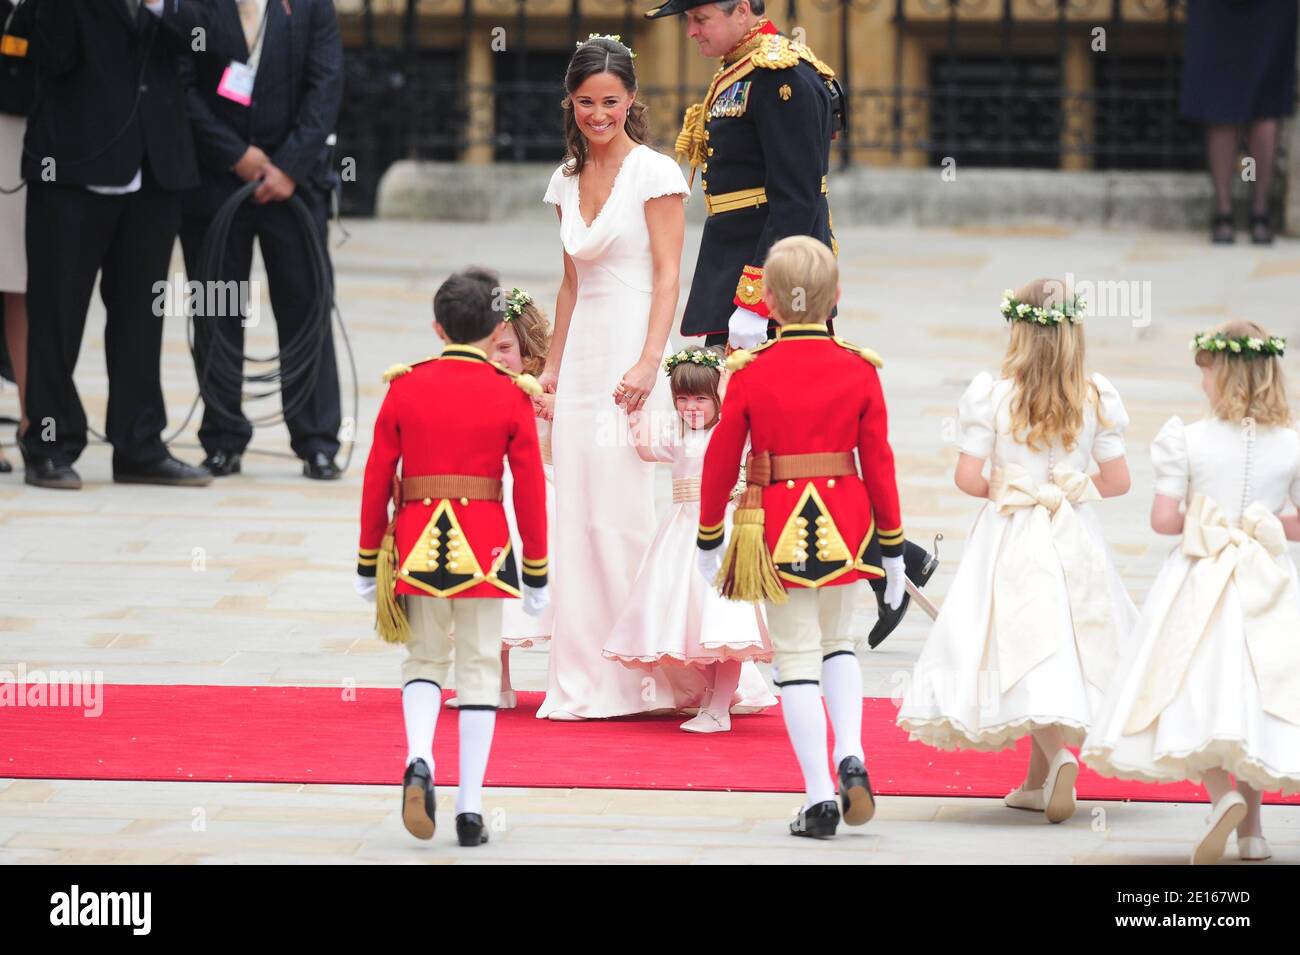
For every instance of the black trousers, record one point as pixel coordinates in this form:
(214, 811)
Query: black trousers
(314, 426)
(73, 235)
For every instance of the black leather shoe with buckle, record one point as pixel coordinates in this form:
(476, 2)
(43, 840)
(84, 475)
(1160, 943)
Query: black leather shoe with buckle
(858, 802)
(818, 821)
(418, 800)
(470, 830)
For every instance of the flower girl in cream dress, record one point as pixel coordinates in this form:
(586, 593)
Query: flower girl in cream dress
(1210, 686)
(1028, 636)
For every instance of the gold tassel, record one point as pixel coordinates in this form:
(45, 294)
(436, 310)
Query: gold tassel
(390, 622)
(690, 141)
(747, 571)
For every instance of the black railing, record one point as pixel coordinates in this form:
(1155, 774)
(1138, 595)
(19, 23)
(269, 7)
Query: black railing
(983, 82)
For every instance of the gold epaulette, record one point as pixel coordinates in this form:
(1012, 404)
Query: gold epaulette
(741, 357)
(861, 352)
(401, 368)
(779, 52)
(525, 382)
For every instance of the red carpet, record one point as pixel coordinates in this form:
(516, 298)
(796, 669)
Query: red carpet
(316, 735)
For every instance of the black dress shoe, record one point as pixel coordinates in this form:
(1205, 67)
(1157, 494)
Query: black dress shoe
(470, 830)
(166, 470)
(5, 466)
(856, 797)
(221, 463)
(817, 822)
(319, 466)
(418, 800)
(45, 472)
(919, 567)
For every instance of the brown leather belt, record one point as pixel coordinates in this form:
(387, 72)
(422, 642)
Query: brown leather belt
(764, 467)
(433, 487)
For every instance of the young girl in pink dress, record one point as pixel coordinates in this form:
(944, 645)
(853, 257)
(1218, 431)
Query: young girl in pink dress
(673, 618)
(520, 344)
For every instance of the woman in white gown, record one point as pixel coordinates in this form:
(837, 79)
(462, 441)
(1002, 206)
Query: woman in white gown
(622, 220)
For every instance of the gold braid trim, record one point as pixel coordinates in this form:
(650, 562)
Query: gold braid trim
(524, 381)
(690, 141)
(867, 353)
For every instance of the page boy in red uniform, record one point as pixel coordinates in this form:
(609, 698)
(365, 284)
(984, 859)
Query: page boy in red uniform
(443, 561)
(810, 523)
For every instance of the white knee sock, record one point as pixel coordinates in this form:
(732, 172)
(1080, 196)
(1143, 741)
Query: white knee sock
(421, 702)
(476, 728)
(842, 686)
(805, 721)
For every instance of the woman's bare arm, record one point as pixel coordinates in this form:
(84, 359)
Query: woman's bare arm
(564, 301)
(665, 217)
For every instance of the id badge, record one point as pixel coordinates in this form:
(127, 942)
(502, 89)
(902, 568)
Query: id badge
(237, 83)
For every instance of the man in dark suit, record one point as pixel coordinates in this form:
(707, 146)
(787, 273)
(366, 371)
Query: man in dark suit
(106, 156)
(279, 138)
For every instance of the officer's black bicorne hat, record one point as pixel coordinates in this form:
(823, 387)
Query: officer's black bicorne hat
(672, 7)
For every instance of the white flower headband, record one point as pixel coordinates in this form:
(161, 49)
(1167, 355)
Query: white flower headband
(1015, 310)
(515, 304)
(1240, 346)
(695, 356)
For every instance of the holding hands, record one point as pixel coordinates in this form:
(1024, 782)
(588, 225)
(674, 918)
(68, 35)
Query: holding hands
(636, 384)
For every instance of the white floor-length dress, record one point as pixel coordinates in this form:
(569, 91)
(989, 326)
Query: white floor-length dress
(604, 493)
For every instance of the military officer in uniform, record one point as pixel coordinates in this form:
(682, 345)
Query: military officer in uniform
(762, 140)
(811, 520)
(443, 561)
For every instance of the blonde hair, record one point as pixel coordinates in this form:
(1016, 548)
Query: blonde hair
(1246, 387)
(689, 378)
(802, 274)
(534, 334)
(1046, 364)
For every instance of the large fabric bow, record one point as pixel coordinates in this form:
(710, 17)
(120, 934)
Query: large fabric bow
(1245, 556)
(1052, 536)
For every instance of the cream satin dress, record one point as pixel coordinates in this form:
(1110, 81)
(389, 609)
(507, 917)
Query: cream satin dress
(1212, 676)
(1029, 633)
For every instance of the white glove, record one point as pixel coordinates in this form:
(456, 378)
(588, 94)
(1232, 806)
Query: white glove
(709, 562)
(895, 581)
(536, 599)
(745, 329)
(365, 588)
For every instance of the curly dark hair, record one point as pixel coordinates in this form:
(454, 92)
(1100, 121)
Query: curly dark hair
(599, 55)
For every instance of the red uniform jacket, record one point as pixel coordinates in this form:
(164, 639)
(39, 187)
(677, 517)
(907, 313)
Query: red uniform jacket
(456, 414)
(807, 392)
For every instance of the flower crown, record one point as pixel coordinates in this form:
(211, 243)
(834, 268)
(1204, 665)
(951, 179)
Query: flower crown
(697, 356)
(607, 36)
(1240, 346)
(1015, 310)
(515, 304)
